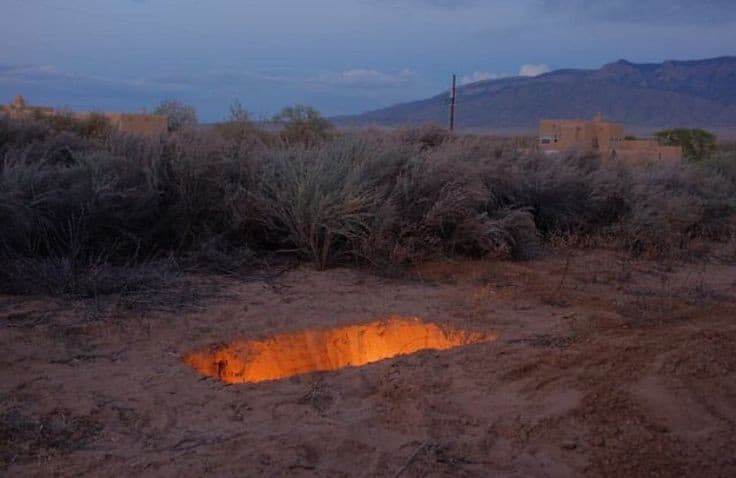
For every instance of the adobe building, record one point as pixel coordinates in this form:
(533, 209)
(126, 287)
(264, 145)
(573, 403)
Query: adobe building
(131, 123)
(20, 109)
(135, 123)
(602, 137)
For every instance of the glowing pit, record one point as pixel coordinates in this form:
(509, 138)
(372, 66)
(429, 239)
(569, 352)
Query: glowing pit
(287, 355)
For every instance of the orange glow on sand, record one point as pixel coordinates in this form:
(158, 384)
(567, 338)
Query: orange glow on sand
(292, 354)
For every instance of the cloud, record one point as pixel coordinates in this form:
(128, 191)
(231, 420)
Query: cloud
(533, 70)
(525, 70)
(49, 73)
(654, 11)
(30, 72)
(657, 11)
(49, 81)
(367, 78)
(448, 4)
(82, 91)
(479, 76)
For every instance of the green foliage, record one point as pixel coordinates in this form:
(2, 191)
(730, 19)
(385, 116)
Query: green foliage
(697, 144)
(179, 114)
(303, 125)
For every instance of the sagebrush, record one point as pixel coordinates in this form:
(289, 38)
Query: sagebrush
(74, 202)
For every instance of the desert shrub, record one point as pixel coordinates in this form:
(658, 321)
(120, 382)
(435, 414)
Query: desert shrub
(179, 115)
(36, 140)
(303, 125)
(239, 128)
(436, 204)
(567, 195)
(200, 184)
(424, 136)
(310, 200)
(697, 144)
(674, 204)
(69, 208)
(62, 121)
(21, 133)
(727, 149)
(92, 126)
(564, 195)
(80, 214)
(723, 163)
(154, 197)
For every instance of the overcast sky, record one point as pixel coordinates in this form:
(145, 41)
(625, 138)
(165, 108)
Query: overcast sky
(342, 56)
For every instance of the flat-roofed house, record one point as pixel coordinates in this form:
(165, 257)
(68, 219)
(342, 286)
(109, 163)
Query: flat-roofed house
(20, 109)
(598, 135)
(131, 123)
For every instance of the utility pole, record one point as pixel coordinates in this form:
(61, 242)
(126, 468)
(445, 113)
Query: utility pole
(452, 105)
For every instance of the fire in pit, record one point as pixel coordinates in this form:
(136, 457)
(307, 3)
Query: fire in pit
(286, 355)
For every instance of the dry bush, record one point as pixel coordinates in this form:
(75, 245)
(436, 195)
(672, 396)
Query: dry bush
(180, 116)
(21, 133)
(311, 200)
(674, 204)
(70, 205)
(303, 125)
(240, 129)
(436, 204)
(424, 136)
(566, 194)
(93, 126)
(132, 200)
(721, 163)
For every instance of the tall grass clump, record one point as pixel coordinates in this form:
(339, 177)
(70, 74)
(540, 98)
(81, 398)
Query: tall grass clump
(311, 200)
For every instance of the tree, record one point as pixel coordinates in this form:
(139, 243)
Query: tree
(238, 113)
(238, 126)
(179, 114)
(303, 124)
(697, 144)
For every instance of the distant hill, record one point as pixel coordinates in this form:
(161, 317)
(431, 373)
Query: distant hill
(642, 96)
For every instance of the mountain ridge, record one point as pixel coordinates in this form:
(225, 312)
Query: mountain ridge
(674, 93)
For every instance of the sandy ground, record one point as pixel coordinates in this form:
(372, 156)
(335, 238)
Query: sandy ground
(604, 366)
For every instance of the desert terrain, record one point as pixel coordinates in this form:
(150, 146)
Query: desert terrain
(371, 239)
(603, 365)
